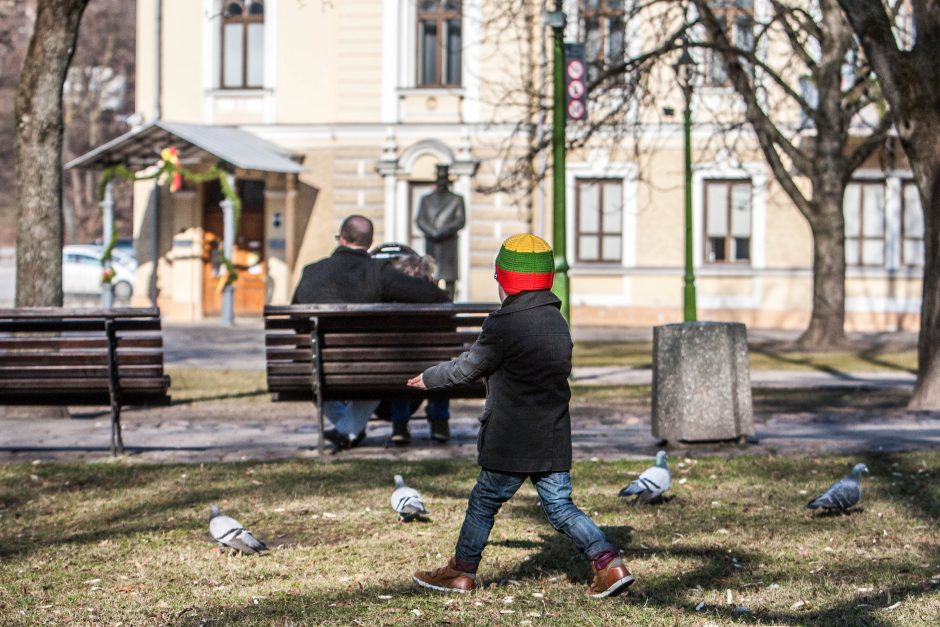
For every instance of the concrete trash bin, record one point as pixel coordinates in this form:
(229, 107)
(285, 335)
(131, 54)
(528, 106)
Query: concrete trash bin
(701, 382)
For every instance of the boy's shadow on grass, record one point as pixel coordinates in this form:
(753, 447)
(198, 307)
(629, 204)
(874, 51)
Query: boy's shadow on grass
(556, 555)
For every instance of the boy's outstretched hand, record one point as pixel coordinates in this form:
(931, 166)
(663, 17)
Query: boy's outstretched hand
(417, 382)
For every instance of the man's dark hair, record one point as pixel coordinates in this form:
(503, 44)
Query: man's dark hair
(357, 230)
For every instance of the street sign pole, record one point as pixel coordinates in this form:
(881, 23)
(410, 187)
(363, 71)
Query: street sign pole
(561, 287)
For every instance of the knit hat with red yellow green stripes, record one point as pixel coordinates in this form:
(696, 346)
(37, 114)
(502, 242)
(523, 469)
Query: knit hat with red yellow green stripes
(525, 263)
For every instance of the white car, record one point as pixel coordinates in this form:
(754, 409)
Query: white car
(82, 269)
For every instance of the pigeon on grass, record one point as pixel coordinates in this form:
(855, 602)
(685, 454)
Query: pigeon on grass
(651, 484)
(407, 502)
(228, 532)
(842, 494)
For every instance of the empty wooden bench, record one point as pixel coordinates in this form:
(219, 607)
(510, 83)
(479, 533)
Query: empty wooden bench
(348, 352)
(52, 356)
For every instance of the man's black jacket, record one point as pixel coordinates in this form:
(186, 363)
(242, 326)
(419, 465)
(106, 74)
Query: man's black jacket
(524, 353)
(350, 275)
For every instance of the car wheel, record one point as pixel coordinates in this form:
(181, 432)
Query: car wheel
(122, 290)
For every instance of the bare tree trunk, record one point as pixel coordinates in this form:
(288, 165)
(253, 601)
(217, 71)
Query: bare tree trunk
(927, 391)
(826, 328)
(39, 152)
(910, 80)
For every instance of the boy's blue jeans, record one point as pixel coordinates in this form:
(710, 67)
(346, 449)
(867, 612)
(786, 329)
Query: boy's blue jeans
(438, 409)
(554, 488)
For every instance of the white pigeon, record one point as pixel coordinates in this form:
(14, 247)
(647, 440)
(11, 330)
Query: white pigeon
(652, 483)
(406, 501)
(842, 494)
(228, 532)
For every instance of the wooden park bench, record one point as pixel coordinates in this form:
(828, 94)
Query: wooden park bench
(360, 352)
(52, 356)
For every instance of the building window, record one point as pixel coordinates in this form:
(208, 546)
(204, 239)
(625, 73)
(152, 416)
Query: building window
(439, 43)
(728, 221)
(604, 34)
(864, 208)
(599, 219)
(736, 18)
(242, 44)
(912, 226)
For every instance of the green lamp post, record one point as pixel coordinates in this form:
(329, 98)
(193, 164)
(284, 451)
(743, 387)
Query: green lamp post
(685, 72)
(561, 288)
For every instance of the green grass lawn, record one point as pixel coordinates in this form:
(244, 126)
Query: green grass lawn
(639, 355)
(119, 543)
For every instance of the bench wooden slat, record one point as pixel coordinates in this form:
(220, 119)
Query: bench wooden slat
(127, 383)
(453, 338)
(47, 326)
(59, 312)
(284, 339)
(71, 372)
(78, 358)
(289, 368)
(376, 368)
(289, 354)
(439, 353)
(67, 342)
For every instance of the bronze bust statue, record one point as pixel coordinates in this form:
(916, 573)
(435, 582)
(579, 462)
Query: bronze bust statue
(440, 218)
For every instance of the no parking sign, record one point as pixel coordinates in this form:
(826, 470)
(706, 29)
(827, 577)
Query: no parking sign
(575, 82)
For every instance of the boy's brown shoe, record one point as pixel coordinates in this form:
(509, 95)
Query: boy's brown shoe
(610, 581)
(445, 579)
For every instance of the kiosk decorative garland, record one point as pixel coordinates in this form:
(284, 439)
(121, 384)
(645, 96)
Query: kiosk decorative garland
(169, 168)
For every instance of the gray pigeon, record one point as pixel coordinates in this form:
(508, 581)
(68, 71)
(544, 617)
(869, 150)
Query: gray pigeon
(406, 501)
(842, 494)
(652, 483)
(228, 532)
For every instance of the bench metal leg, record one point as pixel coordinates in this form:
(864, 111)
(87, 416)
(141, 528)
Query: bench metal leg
(117, 442)
(320, 446)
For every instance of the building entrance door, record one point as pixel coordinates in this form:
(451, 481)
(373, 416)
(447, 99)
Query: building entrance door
(248, 253)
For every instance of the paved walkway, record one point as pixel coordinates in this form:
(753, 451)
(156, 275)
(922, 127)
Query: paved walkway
(208, 432)
(606, 434)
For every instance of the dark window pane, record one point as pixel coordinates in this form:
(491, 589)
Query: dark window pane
(615, 47)
(453, 52)
(256, 8)
(742, 248)
(744, 32)
(427, 53)
(233, 9)
(716, 249)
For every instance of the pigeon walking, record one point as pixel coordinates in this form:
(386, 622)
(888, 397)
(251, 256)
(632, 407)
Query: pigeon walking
(406, 501)
(842, 494)
(652, 483)
(228, 532)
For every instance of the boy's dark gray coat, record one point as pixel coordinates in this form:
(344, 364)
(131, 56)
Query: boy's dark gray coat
(524, 354)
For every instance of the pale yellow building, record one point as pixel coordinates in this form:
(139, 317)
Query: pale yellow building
(366, 97)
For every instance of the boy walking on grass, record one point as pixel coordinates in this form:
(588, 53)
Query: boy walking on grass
(524, 355)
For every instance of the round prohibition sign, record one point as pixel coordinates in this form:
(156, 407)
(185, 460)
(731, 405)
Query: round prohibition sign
(576, 89)
(575, 69)
(576, 110)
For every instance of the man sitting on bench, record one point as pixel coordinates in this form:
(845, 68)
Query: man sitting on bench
(350, 275)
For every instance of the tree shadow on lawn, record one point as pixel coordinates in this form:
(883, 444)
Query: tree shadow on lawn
(829, 400)
(556, 556)
(173, 503)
